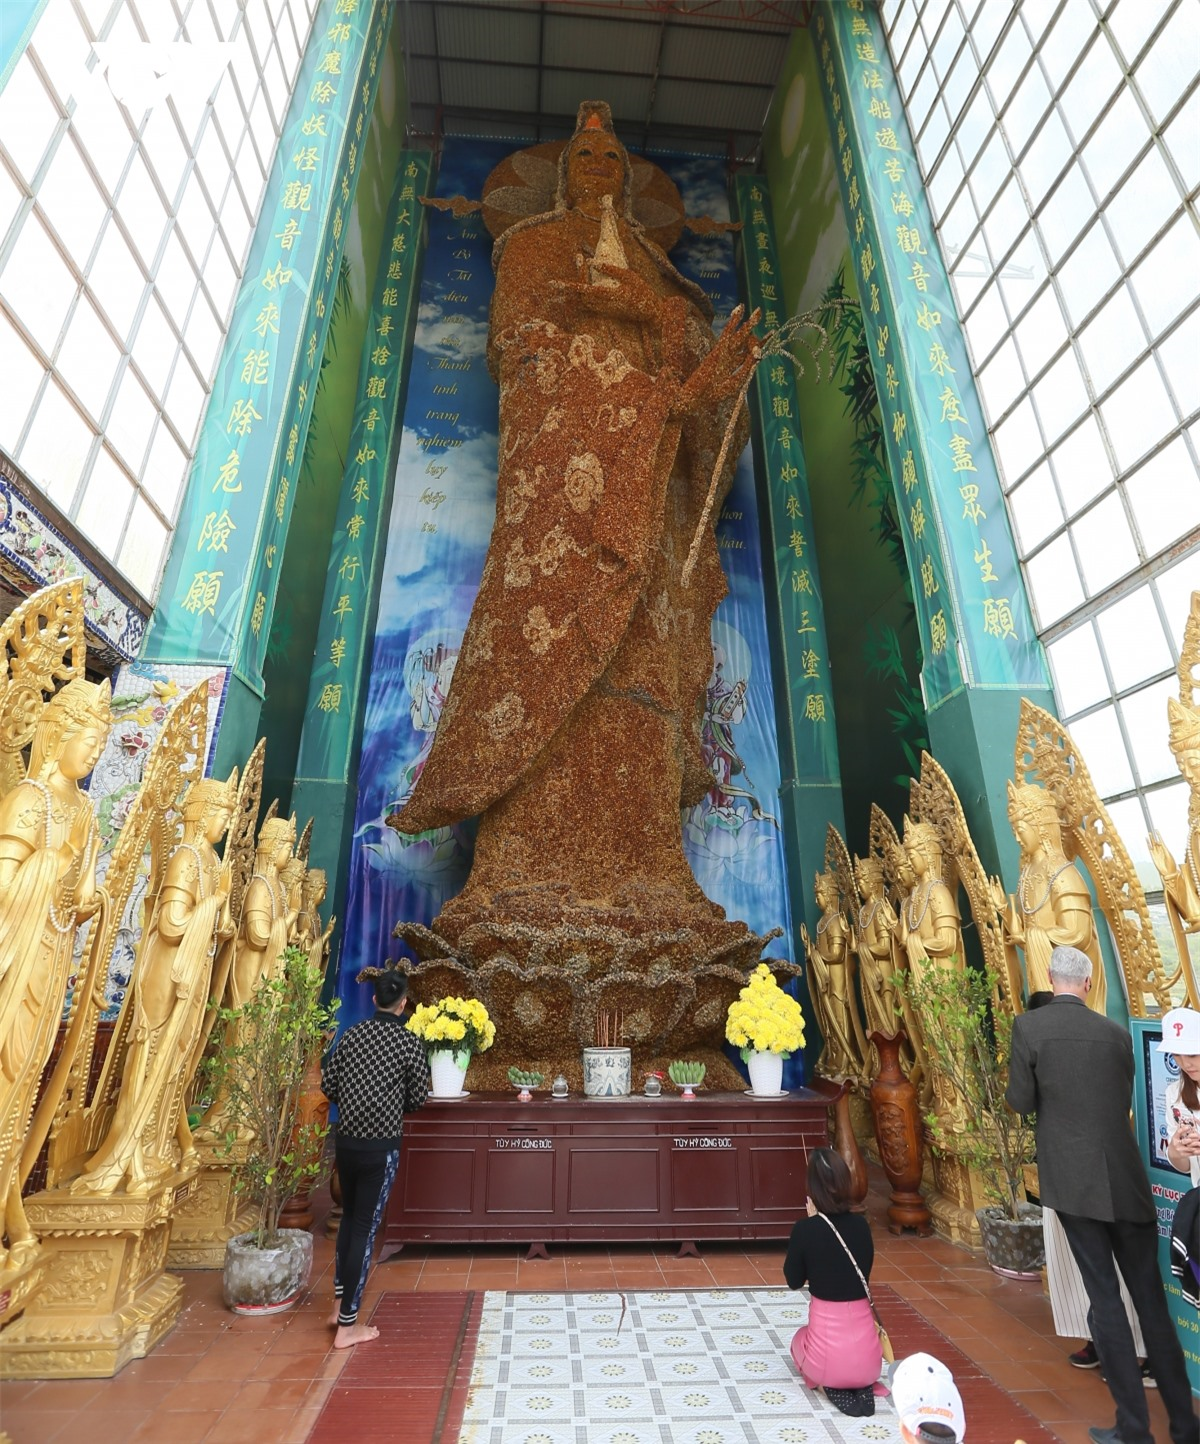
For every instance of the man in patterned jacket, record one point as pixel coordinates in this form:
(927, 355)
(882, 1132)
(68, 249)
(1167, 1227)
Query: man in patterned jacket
(376, 1073)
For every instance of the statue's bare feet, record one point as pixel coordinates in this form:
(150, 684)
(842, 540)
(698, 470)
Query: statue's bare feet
(349, 1335)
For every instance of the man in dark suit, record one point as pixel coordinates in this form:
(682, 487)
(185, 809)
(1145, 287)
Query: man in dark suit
(1074, 1069)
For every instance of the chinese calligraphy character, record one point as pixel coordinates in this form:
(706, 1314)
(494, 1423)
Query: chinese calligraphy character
(814, 707)
(899, 426)
(874, 299)
(787, 474)
(885, 139)
(292, 442)
(215, 530)
(778, 376)
(330, 699)
(377, 387)
(908, 238)
(349, 569)
(939, 361)
(371, 419)
(893, 169)
(297, 197)
(802, 581)
(868, 261)
(891, 381)
(998, 618)
(343, 608)
(805, 626)
(928, 580)
(901, 204)
(937, 632)
(306, 158)
(928, 319)
(951, 410)
(227, 474)
(810, 663)
(793, 508)
(287, 236)
(331, 63)
(255, 365)
(257, 615)
(879, 109)
(960, 450)
(796, 542)
(337, 650)
(395, 271)
(242, 417)
(281, 497)
(267, 320)
(919, 276)
(908, 471)
(323, 92)
(917, 519)
(315, 125)
(882, 339)
(354, 527)
(390, 295)
(983, 558)
(360, 493)
(865, 50)
(852, 193)
(971, 508)
(781, 406)
(203, 593)
(276, 277)
(872, 80)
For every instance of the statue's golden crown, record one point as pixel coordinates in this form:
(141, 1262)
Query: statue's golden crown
(82, 704)
(1183, 723)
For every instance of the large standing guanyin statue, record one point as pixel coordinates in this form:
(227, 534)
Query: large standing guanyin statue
(572, 726)
(573, 720)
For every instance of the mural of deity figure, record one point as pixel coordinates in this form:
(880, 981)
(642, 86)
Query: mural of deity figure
(573, 724)
(48, 847)
(1052, 905)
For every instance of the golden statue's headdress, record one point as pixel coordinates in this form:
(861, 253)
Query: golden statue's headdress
(921, 835)
(210, 795)
(1184, 726)
(77, 705)
(869, 870)
(1034, 804)
(276, 830)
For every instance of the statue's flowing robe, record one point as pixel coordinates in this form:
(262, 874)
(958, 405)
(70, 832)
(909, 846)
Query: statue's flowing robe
(600, 493)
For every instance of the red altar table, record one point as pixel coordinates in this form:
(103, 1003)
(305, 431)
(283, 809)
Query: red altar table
(487, 1169)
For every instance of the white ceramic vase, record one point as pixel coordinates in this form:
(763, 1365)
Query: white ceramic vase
(607, 1072)
(766, 1072)
(447, 1072)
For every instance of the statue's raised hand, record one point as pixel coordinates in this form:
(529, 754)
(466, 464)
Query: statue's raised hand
(1160, 856)
(726, 367)
(618, 292)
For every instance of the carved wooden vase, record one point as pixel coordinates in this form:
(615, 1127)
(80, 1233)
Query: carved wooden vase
(897, 1116)
(314, 1108)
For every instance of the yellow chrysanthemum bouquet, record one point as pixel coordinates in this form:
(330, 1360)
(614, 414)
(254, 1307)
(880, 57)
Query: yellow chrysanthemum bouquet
(764, 1018)
(453, 1025)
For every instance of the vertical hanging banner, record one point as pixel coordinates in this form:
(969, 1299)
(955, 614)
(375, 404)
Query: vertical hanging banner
(809, 690)
(442, 512)
(970, 596)
(218, 591)
(333, 715)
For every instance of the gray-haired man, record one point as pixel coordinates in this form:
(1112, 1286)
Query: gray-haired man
(1074, 1069)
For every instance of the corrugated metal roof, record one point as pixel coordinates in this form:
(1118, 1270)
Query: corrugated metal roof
(679, 74)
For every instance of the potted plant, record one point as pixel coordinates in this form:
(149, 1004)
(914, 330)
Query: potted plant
(968, 1036)
(259, 1076)
(767, 1024)
(451, 1029)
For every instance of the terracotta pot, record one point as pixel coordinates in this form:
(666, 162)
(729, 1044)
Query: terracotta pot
(897, 1116)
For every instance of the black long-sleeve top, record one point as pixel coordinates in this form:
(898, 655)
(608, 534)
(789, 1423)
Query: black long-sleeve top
(376, 1072)
(816, 1259)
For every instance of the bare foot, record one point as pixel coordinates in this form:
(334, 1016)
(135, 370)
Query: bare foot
(349, 1335)
(333, 1318)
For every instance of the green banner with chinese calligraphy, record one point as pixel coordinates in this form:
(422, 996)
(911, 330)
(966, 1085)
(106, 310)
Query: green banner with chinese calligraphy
(218, 591)
(808, 753)
(976, 625)
(333, 715)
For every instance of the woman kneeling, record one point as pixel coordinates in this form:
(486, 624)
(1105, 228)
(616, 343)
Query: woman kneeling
(838, 1349)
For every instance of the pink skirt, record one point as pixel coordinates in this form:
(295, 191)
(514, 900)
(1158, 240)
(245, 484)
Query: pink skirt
(839, 1345)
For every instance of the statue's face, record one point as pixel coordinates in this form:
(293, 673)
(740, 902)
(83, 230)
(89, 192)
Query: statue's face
(1188, 760)
(595, 168)
(81, 751)
(916, 858)
(217, 821)
(283, 851)
(1024, 830)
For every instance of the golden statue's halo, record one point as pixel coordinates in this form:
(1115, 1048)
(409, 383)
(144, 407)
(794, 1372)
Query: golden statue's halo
(524, 184)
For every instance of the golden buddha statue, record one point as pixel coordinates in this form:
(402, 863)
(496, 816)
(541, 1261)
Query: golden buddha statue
(48, 848)
(169, 993)
(831, 987)
(930, 925)
(309, 923)
(874, 943)
(266, 924)
(1052, 905)
(1181, 882)
(267, 913)
(291, 880)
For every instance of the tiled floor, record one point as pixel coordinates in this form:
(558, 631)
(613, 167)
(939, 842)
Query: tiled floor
(224, 1380)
